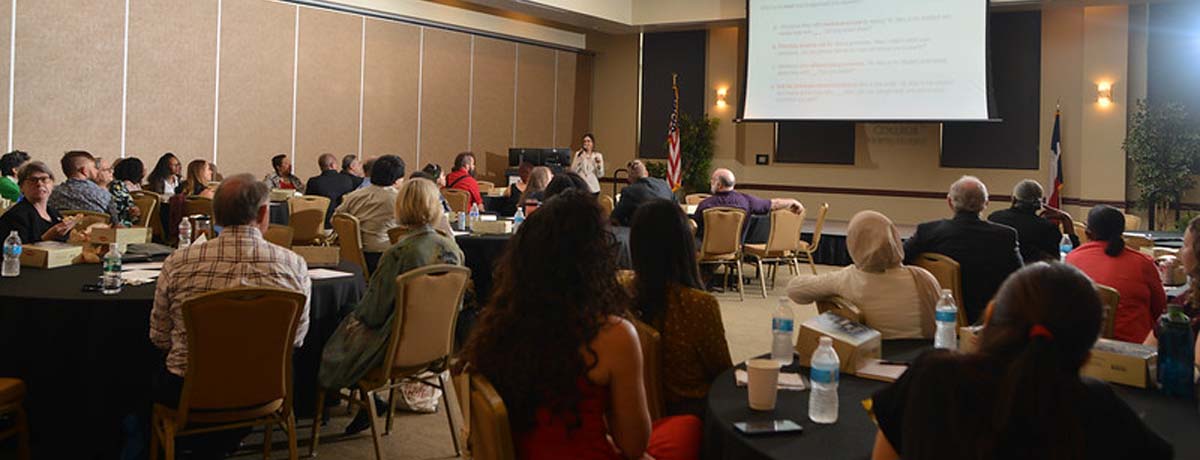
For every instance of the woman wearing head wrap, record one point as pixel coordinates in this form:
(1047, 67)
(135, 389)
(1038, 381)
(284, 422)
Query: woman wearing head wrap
(1107, 261)
(895, 299)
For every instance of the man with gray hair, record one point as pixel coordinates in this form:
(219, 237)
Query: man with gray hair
(986, 252)
(1039, 236)
(331, 183)
(239, 257)
(642, 188)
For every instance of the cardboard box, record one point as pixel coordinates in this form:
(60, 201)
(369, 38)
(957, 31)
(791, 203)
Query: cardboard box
(493, 227)
(1126, 363)
(853, 342)
(319, 256)
(49, 254)
(968, 338)
(121, 236)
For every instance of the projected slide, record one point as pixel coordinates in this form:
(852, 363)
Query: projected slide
(866, 60)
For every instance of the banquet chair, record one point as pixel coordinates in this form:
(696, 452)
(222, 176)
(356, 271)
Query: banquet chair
(490, 433)
(350, 240)
(459, 200)
(87, 218)
(651, 342)
(395, 233)
(234, 383)
(722, 242)
(808, 250)
(695, 198)
(280, 235)
(1110, 298)
(148, 206)
(308, 226)
(841, 307)
(1081, 232)
(485, 186)
(783, 243)
(12, 396)
(1132, 222)
(428, 300)
(948, 274)
(198, 205)
(606, 205)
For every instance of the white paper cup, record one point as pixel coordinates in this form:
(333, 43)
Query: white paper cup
(762, 377)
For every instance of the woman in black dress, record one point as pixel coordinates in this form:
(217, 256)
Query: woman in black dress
(31, 218)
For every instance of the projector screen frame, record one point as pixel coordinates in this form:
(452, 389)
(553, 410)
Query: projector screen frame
(993, 116)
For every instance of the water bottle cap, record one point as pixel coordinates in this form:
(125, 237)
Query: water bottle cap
(826, 341)
(947, 292)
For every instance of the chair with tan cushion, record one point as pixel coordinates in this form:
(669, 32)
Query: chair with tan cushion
(428, 300)
(1138, 242)
(1132, 222)
(198, 205)
(87, 218)
(841, 307)
(1110, 298)
(652, 372)
(606, 205)
(948, 274)
(155, 224)
(491, 435)
(485, 186)
(808, 250)
(280, 235)
(695, 198)
(147, 206)
(12, 397)
(234, 383)
(783, 244)
(349, 240)
(1081, 232)
(459, 200)
(722, 242)
(308, 227)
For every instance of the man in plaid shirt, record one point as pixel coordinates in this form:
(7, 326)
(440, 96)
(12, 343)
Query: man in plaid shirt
(239, 257)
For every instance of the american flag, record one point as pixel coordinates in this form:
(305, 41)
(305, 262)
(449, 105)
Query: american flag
(1056, 175)
(674, 168)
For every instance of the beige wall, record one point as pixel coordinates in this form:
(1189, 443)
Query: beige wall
(1079, 47)
(238, 81)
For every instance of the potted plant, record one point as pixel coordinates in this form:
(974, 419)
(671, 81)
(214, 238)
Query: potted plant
(1164, 146)
(697, 141)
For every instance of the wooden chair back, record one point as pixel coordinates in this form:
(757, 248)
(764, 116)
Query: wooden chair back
(193, 205)
(1138, 242)
(459, 200)
(949, 276)
(1081, 232)
(1110, 298)
(280, 234)
(349, 239)
(722, 231)
(240, 343)
(652, 372)
(816, 238)
(491, 435)
(786, 230)
(88, 218)
(148, 206)
(695, 198)
(302, 202)
(428, 300)
(485, 186)
(1132, 222)
(308, 226)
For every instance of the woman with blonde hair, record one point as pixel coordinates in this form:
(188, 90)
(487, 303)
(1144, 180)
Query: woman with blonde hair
(896, 299)
(199, 174)
(360, 341)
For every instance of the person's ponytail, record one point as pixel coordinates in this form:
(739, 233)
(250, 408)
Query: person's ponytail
(1037, 414)
(1115, 246)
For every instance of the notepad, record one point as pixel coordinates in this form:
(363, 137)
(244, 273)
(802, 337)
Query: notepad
(876, 369)
(325, 273)
(141, 266)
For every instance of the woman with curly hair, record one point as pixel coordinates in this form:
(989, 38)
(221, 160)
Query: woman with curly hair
(555, 346)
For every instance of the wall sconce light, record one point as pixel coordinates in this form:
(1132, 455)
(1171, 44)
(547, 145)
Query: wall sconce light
(1104, 94)
(721, 92)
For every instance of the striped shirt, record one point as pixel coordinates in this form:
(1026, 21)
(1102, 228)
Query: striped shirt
(239, 257)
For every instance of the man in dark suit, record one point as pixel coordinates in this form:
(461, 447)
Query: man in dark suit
(330, 184)
(986, 252)
(1039, 237)
(642, 188)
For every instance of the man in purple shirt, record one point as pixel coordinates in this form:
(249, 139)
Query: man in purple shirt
(722, 183)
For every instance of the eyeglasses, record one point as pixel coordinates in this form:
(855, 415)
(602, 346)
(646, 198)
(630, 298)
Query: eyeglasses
(39, 179)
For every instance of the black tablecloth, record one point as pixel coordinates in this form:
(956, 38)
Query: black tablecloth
(853, 435)
(87, 358)
(497, 204)
(482, 252)
(831, 250)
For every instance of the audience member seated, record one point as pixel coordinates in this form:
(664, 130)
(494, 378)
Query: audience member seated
(1188, 257)
(10, 163)
(516, 189)
(1020, 395)
(668, 295)
(1107, 261)
(127, 176)
(353, 168)
(642, 189)
(986, 252)
(462, 177)
(555, 346)
(165, 176)
(80, 192)
(104, 173)
(360, 342)
(239, 257)
(897, 300)
(366, 168)
(331, 183)
(199, 174)
(375, 207)
(282, 176)
(539, 179)
(31, 218)
(435, 173)
(563, 182)
(722, 182)
(1038, 236)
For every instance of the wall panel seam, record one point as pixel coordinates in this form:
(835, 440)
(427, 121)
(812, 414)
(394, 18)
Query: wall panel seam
(362, 78)
(12, 71)
(516, 90)
(217, 84)
(295, 79)
(125, 79)
(471, 95)
(554, 121)
(420, 88)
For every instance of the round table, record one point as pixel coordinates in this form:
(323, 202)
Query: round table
(852, 437)
(88, 361)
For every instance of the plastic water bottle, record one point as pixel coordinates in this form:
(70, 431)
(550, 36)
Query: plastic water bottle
(185, 233)
(782, 325)
(474, 215)
(1064, 246)
(823, 397)
(946, 317)
(518, 218)
(111, 282)
(12, 255)
(1175, 353)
